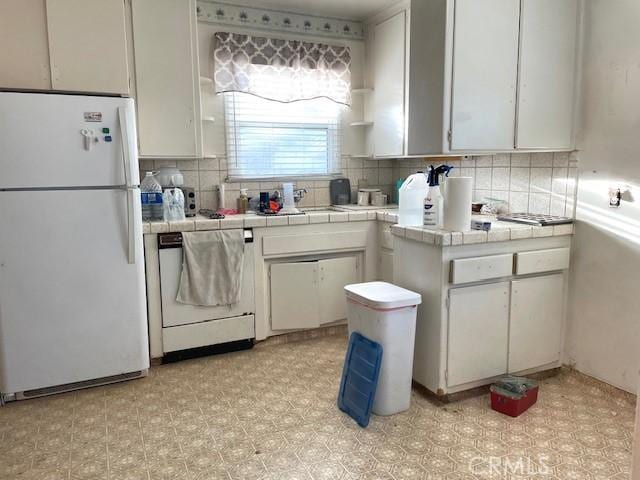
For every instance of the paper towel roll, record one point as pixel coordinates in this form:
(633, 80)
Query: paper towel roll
(457, 204)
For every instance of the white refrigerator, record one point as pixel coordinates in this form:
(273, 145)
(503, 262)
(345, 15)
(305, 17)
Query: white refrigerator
(72, 284)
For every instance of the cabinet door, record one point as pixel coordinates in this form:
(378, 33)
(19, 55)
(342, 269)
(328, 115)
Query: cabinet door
(535, 333)
(478, 332)
(24, 55)
(88, 46)
(389, 91)
(485, 64)
(386, 265)
(167, 79)
(335, 273)
(294, 295)
(546, 83)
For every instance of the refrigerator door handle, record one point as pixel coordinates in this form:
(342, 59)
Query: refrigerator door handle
(131, 226)
(127, 153)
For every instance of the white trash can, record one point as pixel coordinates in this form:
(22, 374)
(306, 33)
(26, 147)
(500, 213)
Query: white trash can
(386, 314)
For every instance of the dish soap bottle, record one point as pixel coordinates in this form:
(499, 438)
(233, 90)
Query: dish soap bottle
(411, 200)
(243, 201)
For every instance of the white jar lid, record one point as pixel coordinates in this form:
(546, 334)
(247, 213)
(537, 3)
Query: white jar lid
(382, 295)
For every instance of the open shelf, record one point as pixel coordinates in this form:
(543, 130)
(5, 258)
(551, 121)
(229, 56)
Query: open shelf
(360, 124)
(361, 91)
(208, 119)
(206, 81)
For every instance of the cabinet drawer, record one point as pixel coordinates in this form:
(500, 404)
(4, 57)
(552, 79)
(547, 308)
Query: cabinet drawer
(313, 242)
(466, 270)
(542, 261)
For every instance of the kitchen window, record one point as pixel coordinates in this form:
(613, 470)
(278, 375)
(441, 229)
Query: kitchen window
(266, 138)
(283, 103)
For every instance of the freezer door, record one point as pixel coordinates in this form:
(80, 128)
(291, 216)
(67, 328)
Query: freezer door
(66, 141)
(72, 308)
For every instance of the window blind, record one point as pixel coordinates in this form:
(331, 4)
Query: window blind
(270, 139)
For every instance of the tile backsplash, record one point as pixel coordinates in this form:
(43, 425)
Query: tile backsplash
(527, 182)
(205, 175)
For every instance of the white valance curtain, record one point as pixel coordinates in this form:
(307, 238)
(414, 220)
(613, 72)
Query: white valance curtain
(281, 70)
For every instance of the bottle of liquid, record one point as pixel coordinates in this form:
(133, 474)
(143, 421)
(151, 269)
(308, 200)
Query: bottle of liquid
(412, 194)
(151, 196)
(173, 202)
(434, 201)
(243, 201)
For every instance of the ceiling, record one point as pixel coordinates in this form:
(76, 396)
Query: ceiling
(345, 9)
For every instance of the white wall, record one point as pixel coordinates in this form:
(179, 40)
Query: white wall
(604, 310)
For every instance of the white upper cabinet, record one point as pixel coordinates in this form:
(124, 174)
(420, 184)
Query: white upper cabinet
(548, 48)
(485, 66)
(475, 76)
(87, 45)
(167, 78)
(389, 94)
(67, 45)
(24, 56)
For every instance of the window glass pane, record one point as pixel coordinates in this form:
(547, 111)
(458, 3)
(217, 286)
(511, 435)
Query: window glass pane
(274, 139)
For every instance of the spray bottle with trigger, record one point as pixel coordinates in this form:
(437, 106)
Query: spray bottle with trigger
(433, 203)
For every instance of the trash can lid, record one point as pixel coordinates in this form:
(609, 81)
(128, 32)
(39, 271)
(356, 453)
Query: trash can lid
(382, 295)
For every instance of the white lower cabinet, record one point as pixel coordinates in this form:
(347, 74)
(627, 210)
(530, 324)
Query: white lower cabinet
(535, 332)
(307, 294)
(294, 295)
(478, 332)
(386, 265)
(334, 274)
(385, 252)
(484, 315)
(504, 327)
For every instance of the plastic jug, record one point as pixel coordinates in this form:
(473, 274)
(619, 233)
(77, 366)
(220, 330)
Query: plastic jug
(151, 193)
(173, 201)
(412, 194)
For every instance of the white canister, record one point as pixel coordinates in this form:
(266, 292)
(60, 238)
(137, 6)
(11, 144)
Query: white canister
(378, 199)
(363, 198)
(457, 193)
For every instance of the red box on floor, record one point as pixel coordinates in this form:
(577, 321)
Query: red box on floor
(511, 406)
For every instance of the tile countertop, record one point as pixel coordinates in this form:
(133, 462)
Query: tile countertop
(500, 232)
(251, 220)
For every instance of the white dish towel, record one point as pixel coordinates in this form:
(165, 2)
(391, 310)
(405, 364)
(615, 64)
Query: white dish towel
(211, 267)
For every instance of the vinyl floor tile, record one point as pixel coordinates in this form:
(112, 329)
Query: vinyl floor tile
(270, 413)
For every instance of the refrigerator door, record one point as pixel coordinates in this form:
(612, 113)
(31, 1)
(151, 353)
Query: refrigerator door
(66, 141)
(72, 308)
